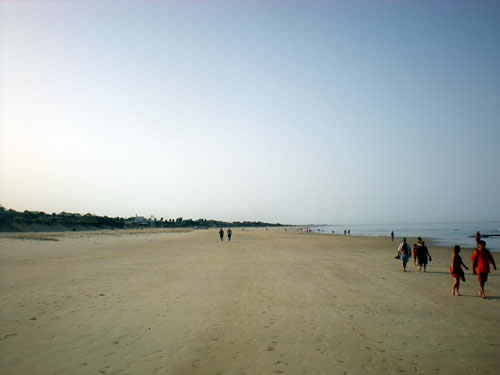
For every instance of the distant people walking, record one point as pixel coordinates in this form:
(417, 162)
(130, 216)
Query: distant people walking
(221, 234)
(481, 259)
(423, 256)
(456, 270)
(392, 236)
(404, 253)
(229, 234)
(349, 232)
(345, 232)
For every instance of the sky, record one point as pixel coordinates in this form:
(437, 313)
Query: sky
(282, 111)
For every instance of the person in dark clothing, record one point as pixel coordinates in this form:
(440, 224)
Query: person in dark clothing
(229, 234)
(221, 234)
(423, 256)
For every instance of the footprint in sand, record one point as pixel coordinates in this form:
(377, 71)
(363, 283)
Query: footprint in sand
(8, 335)
(158, 369)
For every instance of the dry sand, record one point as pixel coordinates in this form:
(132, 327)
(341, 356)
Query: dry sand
(268, 302)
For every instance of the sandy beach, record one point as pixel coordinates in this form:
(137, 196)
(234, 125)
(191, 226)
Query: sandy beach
(268, 302)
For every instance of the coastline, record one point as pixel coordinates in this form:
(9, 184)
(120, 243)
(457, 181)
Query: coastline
(267, 302)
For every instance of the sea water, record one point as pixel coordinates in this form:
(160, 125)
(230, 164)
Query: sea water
(442, 234)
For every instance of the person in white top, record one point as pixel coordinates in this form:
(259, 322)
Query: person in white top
(403, 253)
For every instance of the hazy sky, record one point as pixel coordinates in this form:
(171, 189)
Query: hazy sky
(289, 111)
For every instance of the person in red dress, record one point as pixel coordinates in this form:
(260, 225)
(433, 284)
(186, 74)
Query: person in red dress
(456, 270)
(481, 260)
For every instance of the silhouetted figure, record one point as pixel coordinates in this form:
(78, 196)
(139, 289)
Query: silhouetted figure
(221, 234)
(477, 238)
(345, 232)
(229, 234)
(349, 232)
(423, 256)
(392, 236)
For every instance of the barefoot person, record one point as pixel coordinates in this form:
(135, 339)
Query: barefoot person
(423, 256)
(456, 270)
(481, 260)
(405, 254)
(221, 234)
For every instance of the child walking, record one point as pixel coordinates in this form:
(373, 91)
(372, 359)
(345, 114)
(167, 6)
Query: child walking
(456, 270)
(414, 253)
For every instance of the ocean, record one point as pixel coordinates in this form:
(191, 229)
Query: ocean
(442, 234)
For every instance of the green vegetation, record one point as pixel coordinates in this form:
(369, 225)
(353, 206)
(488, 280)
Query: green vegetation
(13, 221)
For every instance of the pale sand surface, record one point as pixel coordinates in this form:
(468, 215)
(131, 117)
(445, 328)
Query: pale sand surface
(269, 302)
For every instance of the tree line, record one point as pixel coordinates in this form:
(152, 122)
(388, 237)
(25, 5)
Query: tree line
(11, 220)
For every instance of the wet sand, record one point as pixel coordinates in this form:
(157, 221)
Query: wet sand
(268, 302)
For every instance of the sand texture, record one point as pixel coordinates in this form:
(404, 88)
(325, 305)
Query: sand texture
(269, 302)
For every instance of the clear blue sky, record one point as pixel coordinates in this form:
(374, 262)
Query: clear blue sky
(289, 111)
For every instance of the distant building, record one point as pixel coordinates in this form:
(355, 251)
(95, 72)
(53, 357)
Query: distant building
(138, 221)
(68, 214)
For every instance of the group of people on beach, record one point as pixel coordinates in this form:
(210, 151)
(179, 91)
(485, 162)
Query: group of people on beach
(229, 234)
(419, 251)
(481, 259)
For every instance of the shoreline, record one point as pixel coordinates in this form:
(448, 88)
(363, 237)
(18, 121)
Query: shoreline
(133, 231)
